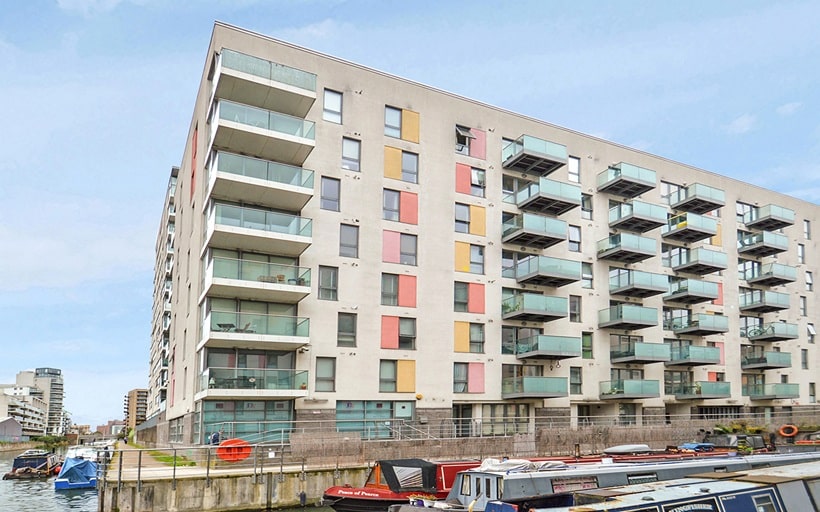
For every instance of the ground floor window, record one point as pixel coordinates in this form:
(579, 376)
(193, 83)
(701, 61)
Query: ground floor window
(504, 419)
(374, 419)
(255, 421)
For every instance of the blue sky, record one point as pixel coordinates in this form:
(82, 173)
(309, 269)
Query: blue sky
(97, 96)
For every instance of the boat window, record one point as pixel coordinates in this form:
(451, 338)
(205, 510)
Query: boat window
(721, 469)
(641, 478)
(477, 487)
(764, 503)
(465, 485)
(489, 488)
(500, 490)
(574, 483)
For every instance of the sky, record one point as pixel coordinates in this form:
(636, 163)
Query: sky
(97, 97)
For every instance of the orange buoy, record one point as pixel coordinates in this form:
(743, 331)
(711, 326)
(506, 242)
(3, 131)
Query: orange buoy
(787, 431)
(233, 450)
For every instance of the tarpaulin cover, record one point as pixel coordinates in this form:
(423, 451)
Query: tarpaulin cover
(78, 470)
(404, 475)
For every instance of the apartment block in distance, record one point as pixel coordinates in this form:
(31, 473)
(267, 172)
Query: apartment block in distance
(135, 406)
(361, 250)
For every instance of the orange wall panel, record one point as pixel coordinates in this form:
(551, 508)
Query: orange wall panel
(390, 332)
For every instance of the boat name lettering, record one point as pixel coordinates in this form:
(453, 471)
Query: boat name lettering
(358, 492)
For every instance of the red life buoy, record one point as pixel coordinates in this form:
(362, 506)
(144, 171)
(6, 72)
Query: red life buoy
(233, 450)
(788, 431)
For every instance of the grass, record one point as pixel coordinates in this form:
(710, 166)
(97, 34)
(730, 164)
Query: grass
(168, 460)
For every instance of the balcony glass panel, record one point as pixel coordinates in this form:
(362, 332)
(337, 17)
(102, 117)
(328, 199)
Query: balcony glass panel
(703, 256)
(695, 353)
(628, 313)
(536, 145)
(264, 170)
(269, 70)
(629, 242)
(694, 287)
(534, 302)
(535, 385)
(761, 297)
(249, 270)
(547, 343)
(703, 321)
(651, 351)
(690, 221)
(706, 192)
(630, 387)
(253, 378)
(766, 238)
(705, 388)
(265, 119)
(271, 325)
(780, 390)
(781, 359)
(625, 170)
(639, 209)
(777, 270)
(550, 266)
(769, 210)
(549, 226)
(773, 329)
(638, 278)
(552, 188)
(252, 218)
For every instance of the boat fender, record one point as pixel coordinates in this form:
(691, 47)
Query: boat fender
(788, 431)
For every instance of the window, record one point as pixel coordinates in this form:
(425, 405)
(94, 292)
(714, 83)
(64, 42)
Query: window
(512, 335)
(476, 259)
(390, 290)
(574, 169)
(409, 167)
(468, 297)
(477, 338)
(349, 241)
(460, 373)
(575, 380)
(346, 330)
(809, 281)
(331, 194)
(391, 203)
(574, 238)
(807, 229)
(392, 122)
(325, 374)
(743, 212)
(462, 212)
(407, 333)
(574, 308)
(804, 358)
(812, 393)
(801, 253)
(586, 206)
(461, 300)
(586, 345)
(812, 332)
(477, 182)
(803, 306)
(328, 283)
(351, 154)
(407, 249)
(463, 138)
(387, 376)
(586, 275)
(333, 107)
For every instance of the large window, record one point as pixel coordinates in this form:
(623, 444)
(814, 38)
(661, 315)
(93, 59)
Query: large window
(346, 330)
(390, 290)
(325, 374)
(574, 169)
(328, 283)
(351, 154)
(586, 206)
(477, 182)
(391, 204)
(407, 249)
(586, 345)
(462, 296)
(331, 194)
(575, 308)
(409, 167)
(349, 241)
(477, 338)
(462, 214)
(586, 275)
(392, 122)
(463, 139)
(387, 375)
(574, 238)
(332, 107)
(460, 377)
(476, 259)
(407, 333)
(511, 335)
(575, 380)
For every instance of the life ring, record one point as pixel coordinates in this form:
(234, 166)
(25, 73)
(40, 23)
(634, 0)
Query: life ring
(233, 450)
(788, 431)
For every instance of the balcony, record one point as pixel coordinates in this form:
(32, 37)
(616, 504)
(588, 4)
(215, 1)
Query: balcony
(701, 261)
(533, 155)
(548, 197)
(628, 317)
(700, 324)
(626, 248)
(256, 230)
(637, 283)
(227, 329)
(547, 271)
(251, 383)
(769, 218)
(763, 301)
(759, 360)
(629, 389)
(689, 227)
(693, 355)
(262, 133)
(702, 390)
(543, 346)
(773, 274)
(256, 280)
(263, 83)
(773, 331)
(534, 387)
(771, 391)
(692, 291)
(251, 180)
(626, 180)
(637, 216)
(763, 244)
(534, 231)
(535, 307)
(697, 198)
(640, 353)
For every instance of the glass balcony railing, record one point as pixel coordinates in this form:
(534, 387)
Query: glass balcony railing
(778, 390)
(628, 242)
(638, 279)
(628, 313)
(266, 119)
(768, 358)
(554, 189)
(701, 256)
(773, 330)
(532, 144)
(627, 171)
(549, 344)
(702, 321)
(704, 388)
(264, 170)
(629, 387)
(757, 298)
(253, 378)
(536, 386)
(547, 265)
(771, 210)
(547, 226)
(690, 221)
(269, 70)
(707, 355)
(697, 190)
(694, 287)
(250, 270)
(257, 323)
(767, 238)
(638, 209)
(253, 218)
(643, 351)
(777, 271)
(532, 302)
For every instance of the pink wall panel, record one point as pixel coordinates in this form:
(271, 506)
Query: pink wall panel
(478, 146)
(463, 178)
(719, 300)
(719, 344)
(390, 332)
(475, 377)
(409, 208)
(475, 298)
(407, 291)
(391, 247)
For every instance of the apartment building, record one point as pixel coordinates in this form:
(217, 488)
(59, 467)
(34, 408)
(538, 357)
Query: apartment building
(357, 250)
(46, 384)
(135, 407)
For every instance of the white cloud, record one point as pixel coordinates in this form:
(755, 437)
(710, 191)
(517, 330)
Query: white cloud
(741, 125)
(87, 7)
(789, 108)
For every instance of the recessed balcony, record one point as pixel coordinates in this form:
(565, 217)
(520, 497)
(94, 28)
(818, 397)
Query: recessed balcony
(693, 355)
(769, 218)
(763, 301)
(629, 389)
(626, 180)
(627, 317)
(700, 261)
(760, 360)
(771, 391)
(534, 387)
(763, 244)
(697, 198)
(773, 331)
(543, 346)
(626, 248)
(535, 307)
(772, 274)
(533, 155)
(689, 227)
(640, 353)
(262, 83)
(257, 230)
(692, 291)
(637, 283)
(702, 390)
(637, 216)
(547, 271)
(533, 230)
(700, 324)
(256, 280)
(227, 329)
(262, 133)
(548, 197)
(262, 182)
(251, 384)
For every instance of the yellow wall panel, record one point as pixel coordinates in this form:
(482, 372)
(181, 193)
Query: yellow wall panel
(478, 220)
(405, 376)
(410, 125)
(462, 257)
(718, 238)
(392, 163)
(461, 337)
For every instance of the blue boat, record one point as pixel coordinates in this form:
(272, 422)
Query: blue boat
(77, 473)
(32, 464)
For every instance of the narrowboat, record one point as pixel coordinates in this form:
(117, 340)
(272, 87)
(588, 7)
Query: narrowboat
(32, 464)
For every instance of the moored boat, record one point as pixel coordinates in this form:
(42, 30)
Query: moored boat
(77, 473)
(32, 464)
